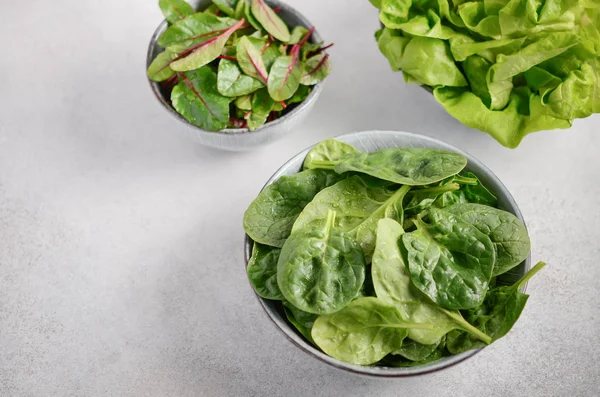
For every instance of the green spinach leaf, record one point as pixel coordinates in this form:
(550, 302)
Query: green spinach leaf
(262, 271)
(450, 260)
(407, 166)
(330, 150)
(392, 284)
(506, 231)
(320, 270)
(499, 312)
(270, 217)
(302, 320)
(363, 332)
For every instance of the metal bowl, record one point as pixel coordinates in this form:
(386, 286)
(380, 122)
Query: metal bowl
(240, 139)
(370, 141)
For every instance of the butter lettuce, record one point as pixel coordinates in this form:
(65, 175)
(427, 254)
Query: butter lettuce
(506, 67)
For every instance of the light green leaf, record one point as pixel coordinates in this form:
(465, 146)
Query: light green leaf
(175, 10)
(316, 69)
(159, 69)
(250, 59)
(284, 77)
(231, 82)
(270, 21)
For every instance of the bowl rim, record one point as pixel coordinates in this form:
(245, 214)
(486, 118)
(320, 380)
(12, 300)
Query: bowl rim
(299, 108)
(293, 337)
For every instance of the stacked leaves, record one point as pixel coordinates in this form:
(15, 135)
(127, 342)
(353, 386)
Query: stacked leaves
(235, 64)
(395, 257)
(507, 67)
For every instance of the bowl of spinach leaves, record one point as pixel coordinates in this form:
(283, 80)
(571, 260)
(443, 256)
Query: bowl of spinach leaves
(388, 254)
(236, 73)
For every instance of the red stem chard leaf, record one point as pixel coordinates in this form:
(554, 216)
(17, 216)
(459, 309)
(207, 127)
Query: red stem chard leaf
(205, 52)
(250, 17)
(160, 69)
(261, 107)
(316, 69)
(231, 82)
(270, 21)
(297, 34)
(300, 95)
(284, 77)
(197, 99)
(227, 6)
(250, 59)
(175, 10)
(193, 30)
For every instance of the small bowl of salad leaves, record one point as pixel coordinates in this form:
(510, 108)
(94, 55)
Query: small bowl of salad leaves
(388, 254)
(237, 73)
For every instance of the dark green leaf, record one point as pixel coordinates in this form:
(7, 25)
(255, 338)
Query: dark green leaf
(450, 260)
(410, 166)
(197, 99)
(302, 320)
(300, 95)
(506, 231)
(261, 107)
(499, 312)
(270, 217)
(262, 271)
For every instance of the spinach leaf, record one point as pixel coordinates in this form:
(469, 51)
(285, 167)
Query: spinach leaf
(231, 82)
(270, 217)
(358, 208)
(250, 59)
(363, 332)
(302, 320)
(270, 21)
(197, 99)
(507, 232)
(206, 51)
(415, 351)
(407, 166)
(175, 10)
(399, 361)
(330, 150)
(500, 311)
(262, 271)
(316, 69)
(320, 270)
(392, 283)
(423, 198)
(450, 260)
(471, 190)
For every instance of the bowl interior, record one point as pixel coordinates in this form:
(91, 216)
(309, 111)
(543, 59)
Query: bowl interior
(370, 141)
(289, 15)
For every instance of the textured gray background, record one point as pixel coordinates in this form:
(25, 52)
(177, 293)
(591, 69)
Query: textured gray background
(121, 246)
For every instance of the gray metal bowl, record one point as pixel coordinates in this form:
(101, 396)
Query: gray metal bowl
(240, 139)
(370, 141)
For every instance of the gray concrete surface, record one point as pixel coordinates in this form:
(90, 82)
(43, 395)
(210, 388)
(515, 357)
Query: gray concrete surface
(121, 267)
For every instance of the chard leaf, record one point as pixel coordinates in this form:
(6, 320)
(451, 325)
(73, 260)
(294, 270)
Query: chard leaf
(227, 6)
(316, 69)
(197, 99)
(261, 107)
(270, 21)
(160, 69)
(284, 77)
(193, 30)
(231, 82)
(250, 59)
(175, 10)
(205, 52)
